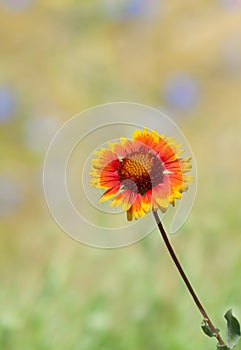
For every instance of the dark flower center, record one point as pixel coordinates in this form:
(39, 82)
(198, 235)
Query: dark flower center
(140, 171)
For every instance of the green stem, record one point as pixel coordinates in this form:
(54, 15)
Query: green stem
(185, 279)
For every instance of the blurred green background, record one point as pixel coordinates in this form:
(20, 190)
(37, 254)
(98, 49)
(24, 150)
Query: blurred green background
(58, 58)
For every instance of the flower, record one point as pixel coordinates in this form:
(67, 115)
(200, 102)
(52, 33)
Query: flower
(141, 174)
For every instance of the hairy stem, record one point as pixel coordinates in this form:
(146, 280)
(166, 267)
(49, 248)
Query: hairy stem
(185, 279)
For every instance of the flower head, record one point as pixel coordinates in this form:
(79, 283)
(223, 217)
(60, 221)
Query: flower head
(141, 174)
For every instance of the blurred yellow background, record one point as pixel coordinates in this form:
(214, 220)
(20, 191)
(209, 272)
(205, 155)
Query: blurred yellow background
(58, 58)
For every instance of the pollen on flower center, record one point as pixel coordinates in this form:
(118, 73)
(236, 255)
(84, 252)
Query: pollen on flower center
(140, 171)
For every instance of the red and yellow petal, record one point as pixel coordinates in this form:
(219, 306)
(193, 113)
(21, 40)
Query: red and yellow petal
(126, 198)
(109, 193)
(136, 208)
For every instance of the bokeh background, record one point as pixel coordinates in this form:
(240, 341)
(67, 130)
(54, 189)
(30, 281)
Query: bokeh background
(58, 58)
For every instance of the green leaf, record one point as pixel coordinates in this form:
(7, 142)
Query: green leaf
(222, 347)
(233, 329)
(206, 329)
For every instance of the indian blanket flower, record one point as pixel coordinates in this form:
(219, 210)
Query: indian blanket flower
(142, 174)
(145, 174)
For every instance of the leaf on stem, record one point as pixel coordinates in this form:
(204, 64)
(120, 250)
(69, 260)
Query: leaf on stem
(233, 329)
(206, 329)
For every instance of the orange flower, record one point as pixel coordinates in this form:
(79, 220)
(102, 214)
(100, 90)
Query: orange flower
(141, 174)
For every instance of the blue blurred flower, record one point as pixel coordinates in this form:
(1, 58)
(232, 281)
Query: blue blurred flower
(142, 8)
(181, 91)
(231, 4)
(16, 5)
(126, 9)
(135, 8)
(7, 103)
(11, 196)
